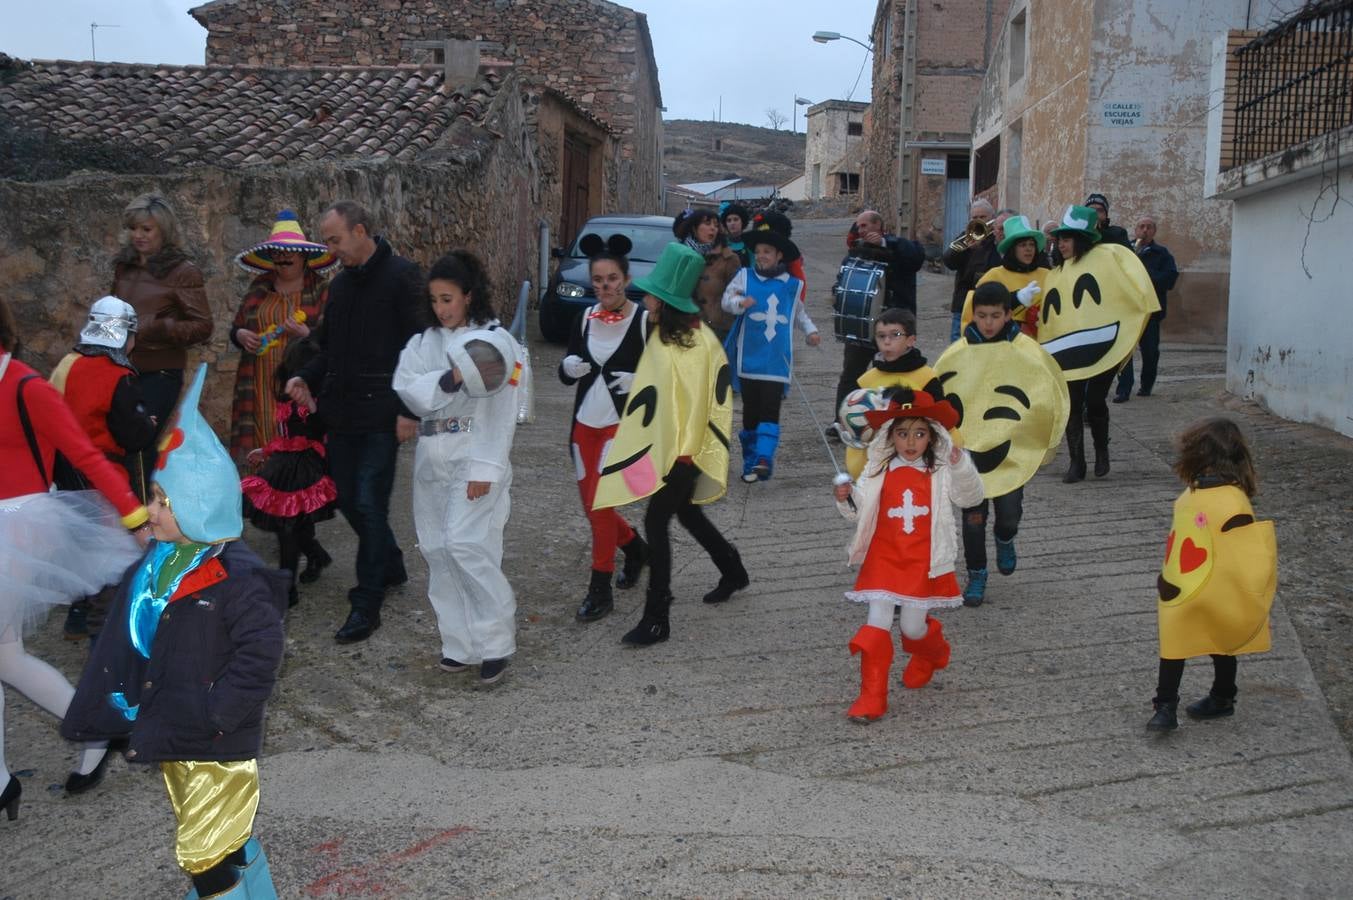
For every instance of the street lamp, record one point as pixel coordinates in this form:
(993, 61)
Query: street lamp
(824, 37)
(799, 101)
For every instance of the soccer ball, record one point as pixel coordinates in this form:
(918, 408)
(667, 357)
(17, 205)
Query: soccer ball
(855, 429)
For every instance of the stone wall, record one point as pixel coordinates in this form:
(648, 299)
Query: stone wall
(827, 140)
(596, 53)
(58, 238)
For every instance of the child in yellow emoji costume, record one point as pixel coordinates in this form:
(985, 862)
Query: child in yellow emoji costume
(1220, 571)
(672, 442)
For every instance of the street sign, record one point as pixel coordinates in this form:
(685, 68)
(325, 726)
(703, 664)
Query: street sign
(1117, 114)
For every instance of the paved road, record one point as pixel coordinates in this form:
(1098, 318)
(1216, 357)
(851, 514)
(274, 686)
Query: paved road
(721, 764)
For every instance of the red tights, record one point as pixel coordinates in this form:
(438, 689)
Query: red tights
(609, 530)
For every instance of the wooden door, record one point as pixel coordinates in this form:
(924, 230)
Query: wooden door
(576, 170)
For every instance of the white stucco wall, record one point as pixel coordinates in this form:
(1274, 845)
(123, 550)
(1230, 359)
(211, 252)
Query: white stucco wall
(1290, 337)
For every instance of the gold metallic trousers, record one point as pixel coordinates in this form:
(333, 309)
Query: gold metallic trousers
(214, 804)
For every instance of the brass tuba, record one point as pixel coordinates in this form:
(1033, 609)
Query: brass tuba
(976, 231)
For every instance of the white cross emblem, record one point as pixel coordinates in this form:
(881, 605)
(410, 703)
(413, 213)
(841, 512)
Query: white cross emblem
(771, 317)
(908, 512)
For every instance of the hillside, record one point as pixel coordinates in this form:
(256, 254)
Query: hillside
(760, 155)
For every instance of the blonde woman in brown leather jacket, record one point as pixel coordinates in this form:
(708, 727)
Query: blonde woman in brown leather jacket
(152, 273)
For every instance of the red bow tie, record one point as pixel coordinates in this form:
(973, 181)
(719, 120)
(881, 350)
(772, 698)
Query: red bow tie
(607, 316)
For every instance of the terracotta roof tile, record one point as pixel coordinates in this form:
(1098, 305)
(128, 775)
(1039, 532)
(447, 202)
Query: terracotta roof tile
(240, 115)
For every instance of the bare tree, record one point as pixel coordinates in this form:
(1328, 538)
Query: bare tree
(774, 117)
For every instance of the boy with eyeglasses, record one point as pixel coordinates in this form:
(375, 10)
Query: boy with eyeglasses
(896, 364)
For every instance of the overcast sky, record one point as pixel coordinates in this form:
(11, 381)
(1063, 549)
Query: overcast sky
(754, 54)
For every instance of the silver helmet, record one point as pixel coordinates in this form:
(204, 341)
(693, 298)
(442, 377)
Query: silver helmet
(110, 322)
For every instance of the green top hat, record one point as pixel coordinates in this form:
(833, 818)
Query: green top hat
(1080, 220)
(1017, 228)
(674, 277)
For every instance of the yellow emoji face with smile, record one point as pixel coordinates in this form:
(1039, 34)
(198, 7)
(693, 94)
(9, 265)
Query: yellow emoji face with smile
(1094, 310)
(1218, 578)
(1012, 404)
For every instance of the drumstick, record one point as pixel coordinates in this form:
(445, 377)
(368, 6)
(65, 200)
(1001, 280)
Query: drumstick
(817, 426)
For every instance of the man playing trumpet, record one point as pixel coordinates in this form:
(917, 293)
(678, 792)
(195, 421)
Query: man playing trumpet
(970, 255)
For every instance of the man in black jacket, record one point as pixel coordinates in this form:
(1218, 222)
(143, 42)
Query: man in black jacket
(970, 263)
(904, 259)
(1109, 234)
(1160, 265)
(375, 305)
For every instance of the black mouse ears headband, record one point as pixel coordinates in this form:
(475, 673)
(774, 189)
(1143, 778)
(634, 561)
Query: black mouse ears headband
(615, 245)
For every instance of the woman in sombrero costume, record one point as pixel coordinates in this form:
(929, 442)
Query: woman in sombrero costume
(289, 283)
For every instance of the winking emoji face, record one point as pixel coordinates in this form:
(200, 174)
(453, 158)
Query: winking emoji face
(1094, 310)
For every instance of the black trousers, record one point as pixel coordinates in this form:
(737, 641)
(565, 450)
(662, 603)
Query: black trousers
(1009, 510)
(160, 389)
(674, 499)
(1089, 400)
(1172, 672)
(761, 402)
(855, 360)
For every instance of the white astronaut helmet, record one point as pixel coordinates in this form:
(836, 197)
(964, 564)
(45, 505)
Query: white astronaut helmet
(487, 360)
(110, 322)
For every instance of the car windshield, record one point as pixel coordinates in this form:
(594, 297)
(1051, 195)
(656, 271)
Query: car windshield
(648, 240)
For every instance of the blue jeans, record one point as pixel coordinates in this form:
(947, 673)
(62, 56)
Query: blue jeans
(1150, 345)
(363, 469)
(956, 327)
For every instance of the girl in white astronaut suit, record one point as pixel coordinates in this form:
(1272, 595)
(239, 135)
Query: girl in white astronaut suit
(460, 377)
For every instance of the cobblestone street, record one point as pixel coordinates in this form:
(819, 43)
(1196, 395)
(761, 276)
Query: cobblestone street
(721, 763)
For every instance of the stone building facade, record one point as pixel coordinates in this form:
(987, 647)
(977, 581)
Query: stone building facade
(228, 147)
(929, 61)
(587, 66)
(1114, 99)
(832, 154)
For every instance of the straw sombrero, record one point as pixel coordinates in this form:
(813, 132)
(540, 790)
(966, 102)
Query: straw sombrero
(286, 235)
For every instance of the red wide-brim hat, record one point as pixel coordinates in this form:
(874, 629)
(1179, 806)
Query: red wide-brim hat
(286, 236)
(914, 405)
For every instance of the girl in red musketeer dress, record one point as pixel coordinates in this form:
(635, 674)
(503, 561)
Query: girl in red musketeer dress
(905, 538)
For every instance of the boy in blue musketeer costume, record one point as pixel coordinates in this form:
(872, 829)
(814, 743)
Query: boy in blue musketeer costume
(768, 303)
(189, 657)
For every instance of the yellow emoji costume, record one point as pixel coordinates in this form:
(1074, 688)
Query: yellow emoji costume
(668, 416)
(1093, 310)
(1012, 403)
(1013, 281)
(1219, 576)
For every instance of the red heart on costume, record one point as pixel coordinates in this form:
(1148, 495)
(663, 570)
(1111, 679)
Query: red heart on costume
(1169, 545)
(1191, 556)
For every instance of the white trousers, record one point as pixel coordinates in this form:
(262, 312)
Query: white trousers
(462, 541)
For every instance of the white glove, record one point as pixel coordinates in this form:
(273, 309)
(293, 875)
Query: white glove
(621, 381)
(575, 366)
(1026, 294)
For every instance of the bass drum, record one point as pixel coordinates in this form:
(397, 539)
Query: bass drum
(857, 299)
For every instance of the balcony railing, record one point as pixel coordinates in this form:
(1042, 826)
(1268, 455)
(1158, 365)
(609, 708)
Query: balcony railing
(1290, 84)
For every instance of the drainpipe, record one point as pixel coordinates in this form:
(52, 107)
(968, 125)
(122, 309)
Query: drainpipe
(543, 279)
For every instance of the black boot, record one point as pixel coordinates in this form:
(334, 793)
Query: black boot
(653, 628)
(221, 877)
(1075, 443)
(599, 601)
(1099, 432)
(636, 554)
(1164, 719)
(732, 577)
(317, 560)
(1211, 707)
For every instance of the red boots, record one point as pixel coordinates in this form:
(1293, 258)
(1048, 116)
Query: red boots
(875, 647)
(927, 654)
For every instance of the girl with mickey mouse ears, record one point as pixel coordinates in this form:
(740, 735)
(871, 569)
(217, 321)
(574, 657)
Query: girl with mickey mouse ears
(604, 348)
